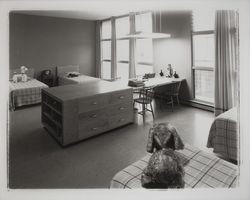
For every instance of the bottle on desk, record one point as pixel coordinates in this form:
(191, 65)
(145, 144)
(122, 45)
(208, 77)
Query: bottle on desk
(176, 75)
(161, 73)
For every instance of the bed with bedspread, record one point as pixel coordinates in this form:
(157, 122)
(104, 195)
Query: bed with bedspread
(24, 93)
(70, 75)
(223, 135)
(202, 170)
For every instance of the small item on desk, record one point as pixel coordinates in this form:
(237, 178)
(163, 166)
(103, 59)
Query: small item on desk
(176, 75)
(135, 83)
(161, 73)
(149, 75)
(170, 71)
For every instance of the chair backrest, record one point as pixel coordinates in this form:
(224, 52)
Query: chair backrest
(147, 94)
(174, 88)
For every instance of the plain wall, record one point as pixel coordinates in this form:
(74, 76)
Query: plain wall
(175, 50)
(41, 42)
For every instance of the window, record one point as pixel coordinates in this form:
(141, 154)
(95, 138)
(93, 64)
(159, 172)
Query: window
(144, 47)
(143, 22)
(106, 50)
(203, 52)
(122, 47)
(143, 51)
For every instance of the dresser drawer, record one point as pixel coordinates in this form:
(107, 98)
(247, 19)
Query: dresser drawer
(90, 116)
(121, 96)
(121, 119)
(119, 108)
(91, 129)
(93, 103)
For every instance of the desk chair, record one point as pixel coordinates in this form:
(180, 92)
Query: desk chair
(171, 93)
(145, 98)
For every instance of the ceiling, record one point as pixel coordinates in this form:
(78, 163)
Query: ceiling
(87, 15)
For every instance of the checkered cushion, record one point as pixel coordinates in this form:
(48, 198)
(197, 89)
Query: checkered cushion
(202, 170)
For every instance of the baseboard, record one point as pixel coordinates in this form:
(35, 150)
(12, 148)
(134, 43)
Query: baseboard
(197, 104)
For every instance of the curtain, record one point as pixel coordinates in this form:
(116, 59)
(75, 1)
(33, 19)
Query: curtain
(98, 49)
(226, 60)
(132, 47)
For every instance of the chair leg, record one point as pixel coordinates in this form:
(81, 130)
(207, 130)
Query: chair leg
(152, 110)
(177, 97)
(161, 101)
(143, 109)
(172, 103)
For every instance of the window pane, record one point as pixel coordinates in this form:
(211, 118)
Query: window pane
(106, 70)
(204, 85)
(144, 49)
(122, 47)
(140, 69)
(203, 20)
(106, 29)
(122, 27)
(106, 50)
(203, 50)
(122, 70)
(143, 22)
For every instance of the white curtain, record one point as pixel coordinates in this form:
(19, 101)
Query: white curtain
(98, 49)
(226, 60)
(132, 47)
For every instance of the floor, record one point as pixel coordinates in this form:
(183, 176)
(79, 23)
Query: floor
(37, 161)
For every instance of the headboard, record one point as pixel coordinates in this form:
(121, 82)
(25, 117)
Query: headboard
(30, 72)
(63, 70)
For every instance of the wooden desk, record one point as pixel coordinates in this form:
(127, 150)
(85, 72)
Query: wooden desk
(152, 82)
(160, 81)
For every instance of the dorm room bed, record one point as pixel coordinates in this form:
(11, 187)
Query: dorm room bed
(70, 75)
(223, 135)
(24, 93)
(202, 170)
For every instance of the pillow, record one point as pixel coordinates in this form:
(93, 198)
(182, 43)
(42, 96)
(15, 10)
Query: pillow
(72, 74)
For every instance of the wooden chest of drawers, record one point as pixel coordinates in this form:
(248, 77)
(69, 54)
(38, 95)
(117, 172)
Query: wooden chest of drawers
(75, 112)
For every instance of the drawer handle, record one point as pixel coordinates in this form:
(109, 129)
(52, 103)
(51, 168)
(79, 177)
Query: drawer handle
(121, 108)
(94, 129)
(94, 103)
(121, 97)
(94, 116)
(121, 120)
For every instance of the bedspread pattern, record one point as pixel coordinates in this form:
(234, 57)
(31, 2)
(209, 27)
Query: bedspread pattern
(223, 135)
(25, 93)
(203, 170)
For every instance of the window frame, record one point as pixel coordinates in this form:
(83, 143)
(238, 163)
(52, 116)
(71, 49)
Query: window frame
(104, 40)
(193, 67)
